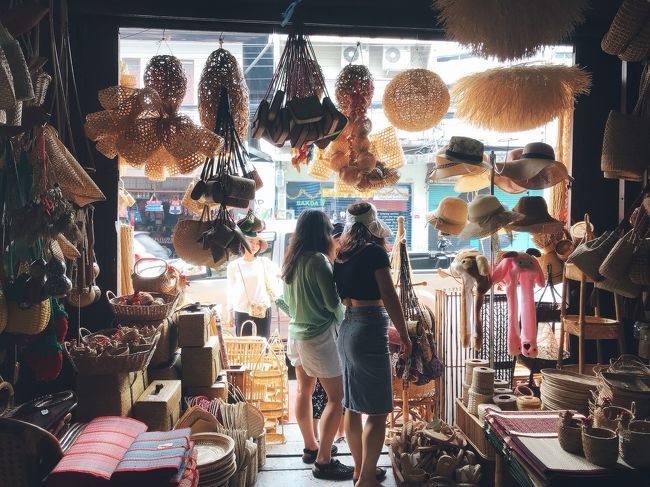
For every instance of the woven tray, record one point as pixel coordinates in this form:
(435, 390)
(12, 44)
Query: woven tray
(125, 312)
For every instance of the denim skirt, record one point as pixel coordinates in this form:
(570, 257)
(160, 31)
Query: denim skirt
(363, 348)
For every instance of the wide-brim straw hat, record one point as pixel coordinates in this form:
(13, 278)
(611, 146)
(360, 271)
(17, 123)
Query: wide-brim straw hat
(446, 168)
(469, 183)
(450, 216)
(536, 218)
(517, 98)
(537, 168)
(504, 183)
(487, 216)
(264, 246)
(463, 155)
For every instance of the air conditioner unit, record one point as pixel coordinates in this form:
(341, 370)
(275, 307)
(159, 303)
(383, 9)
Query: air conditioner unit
(354, 55)
(396, 58)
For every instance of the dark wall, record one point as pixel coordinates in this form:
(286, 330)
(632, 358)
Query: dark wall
(94, 26)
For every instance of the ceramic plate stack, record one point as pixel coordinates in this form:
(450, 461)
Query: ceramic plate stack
(215, 458)
(562, 389)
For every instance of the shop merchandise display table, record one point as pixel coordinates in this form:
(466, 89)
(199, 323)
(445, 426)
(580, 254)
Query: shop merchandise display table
(528, 451)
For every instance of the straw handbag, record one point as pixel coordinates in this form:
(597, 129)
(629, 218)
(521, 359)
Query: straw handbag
(625, 138)
(29, 321)
(187, 241)
(165, 279)
(618, 261)
(640, 266)
(629, 34)
(589, 255)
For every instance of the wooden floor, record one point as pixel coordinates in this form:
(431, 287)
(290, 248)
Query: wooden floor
(284, 465)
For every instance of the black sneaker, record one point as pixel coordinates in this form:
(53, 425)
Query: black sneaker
(309, 456)
(334, 470)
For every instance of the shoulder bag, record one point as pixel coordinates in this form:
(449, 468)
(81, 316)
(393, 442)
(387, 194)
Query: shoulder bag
(256, 310)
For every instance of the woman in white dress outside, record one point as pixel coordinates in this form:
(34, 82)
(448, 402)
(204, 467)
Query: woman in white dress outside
(252, 284)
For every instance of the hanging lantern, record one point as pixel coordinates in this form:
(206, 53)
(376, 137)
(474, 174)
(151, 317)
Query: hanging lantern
(415, 100)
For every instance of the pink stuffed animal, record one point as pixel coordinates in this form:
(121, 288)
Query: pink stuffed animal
(520, 268)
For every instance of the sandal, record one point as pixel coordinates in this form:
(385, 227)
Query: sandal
(309, 456)
(380, 475)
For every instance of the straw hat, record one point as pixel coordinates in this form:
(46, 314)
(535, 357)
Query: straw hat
(263, 243)
(505, 183)
(536, 168)
(450, 216)
(486, 216)
(536, 218)
(557, 266)
(469, 183)
(462, 156)
(520, 97)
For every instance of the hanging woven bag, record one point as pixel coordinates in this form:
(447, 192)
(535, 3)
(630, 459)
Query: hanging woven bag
(640, 265)
(29, 321)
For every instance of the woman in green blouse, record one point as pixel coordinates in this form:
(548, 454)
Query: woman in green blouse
(315, 310)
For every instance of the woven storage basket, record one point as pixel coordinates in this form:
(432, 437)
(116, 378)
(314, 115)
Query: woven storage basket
(607, 417)
(465, 398)
(570, 436)
(167, 282)
(635, 444)
(125, 312)
(113, 364)
(475, 399)
(253, 467)
(186, 240)
(529, 403)
(600, 446)
(30, 321)
(260, 441)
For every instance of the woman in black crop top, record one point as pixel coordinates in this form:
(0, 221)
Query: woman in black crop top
(364, 283)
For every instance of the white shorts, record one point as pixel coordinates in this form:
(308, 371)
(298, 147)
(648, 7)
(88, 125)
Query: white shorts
(318, 356)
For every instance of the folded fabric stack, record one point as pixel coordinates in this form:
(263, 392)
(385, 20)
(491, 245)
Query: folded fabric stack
(118, 451)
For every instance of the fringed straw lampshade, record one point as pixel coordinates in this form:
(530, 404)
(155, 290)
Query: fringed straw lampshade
(509, 29)
(415, 99)
(519, 97)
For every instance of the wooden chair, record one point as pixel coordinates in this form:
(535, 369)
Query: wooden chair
(587, 327)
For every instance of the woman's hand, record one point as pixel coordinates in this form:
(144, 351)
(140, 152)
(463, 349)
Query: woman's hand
(406, 348)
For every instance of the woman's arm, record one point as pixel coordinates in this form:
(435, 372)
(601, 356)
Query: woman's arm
(393, 307)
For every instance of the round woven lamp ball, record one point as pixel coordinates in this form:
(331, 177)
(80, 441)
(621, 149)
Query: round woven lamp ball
(165, 74)
(415, 100)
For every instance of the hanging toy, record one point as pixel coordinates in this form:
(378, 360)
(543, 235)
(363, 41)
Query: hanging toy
(473, 268)
(523, 270)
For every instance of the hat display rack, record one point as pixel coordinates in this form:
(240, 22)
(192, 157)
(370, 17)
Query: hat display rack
(294, 109)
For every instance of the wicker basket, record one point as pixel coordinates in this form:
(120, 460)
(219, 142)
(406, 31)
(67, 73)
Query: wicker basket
(635, 444)
(125, 312)
(570, 436)
(113, 364)
(600, 446)
(29, 321)
(607, 417)
(260, 441)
